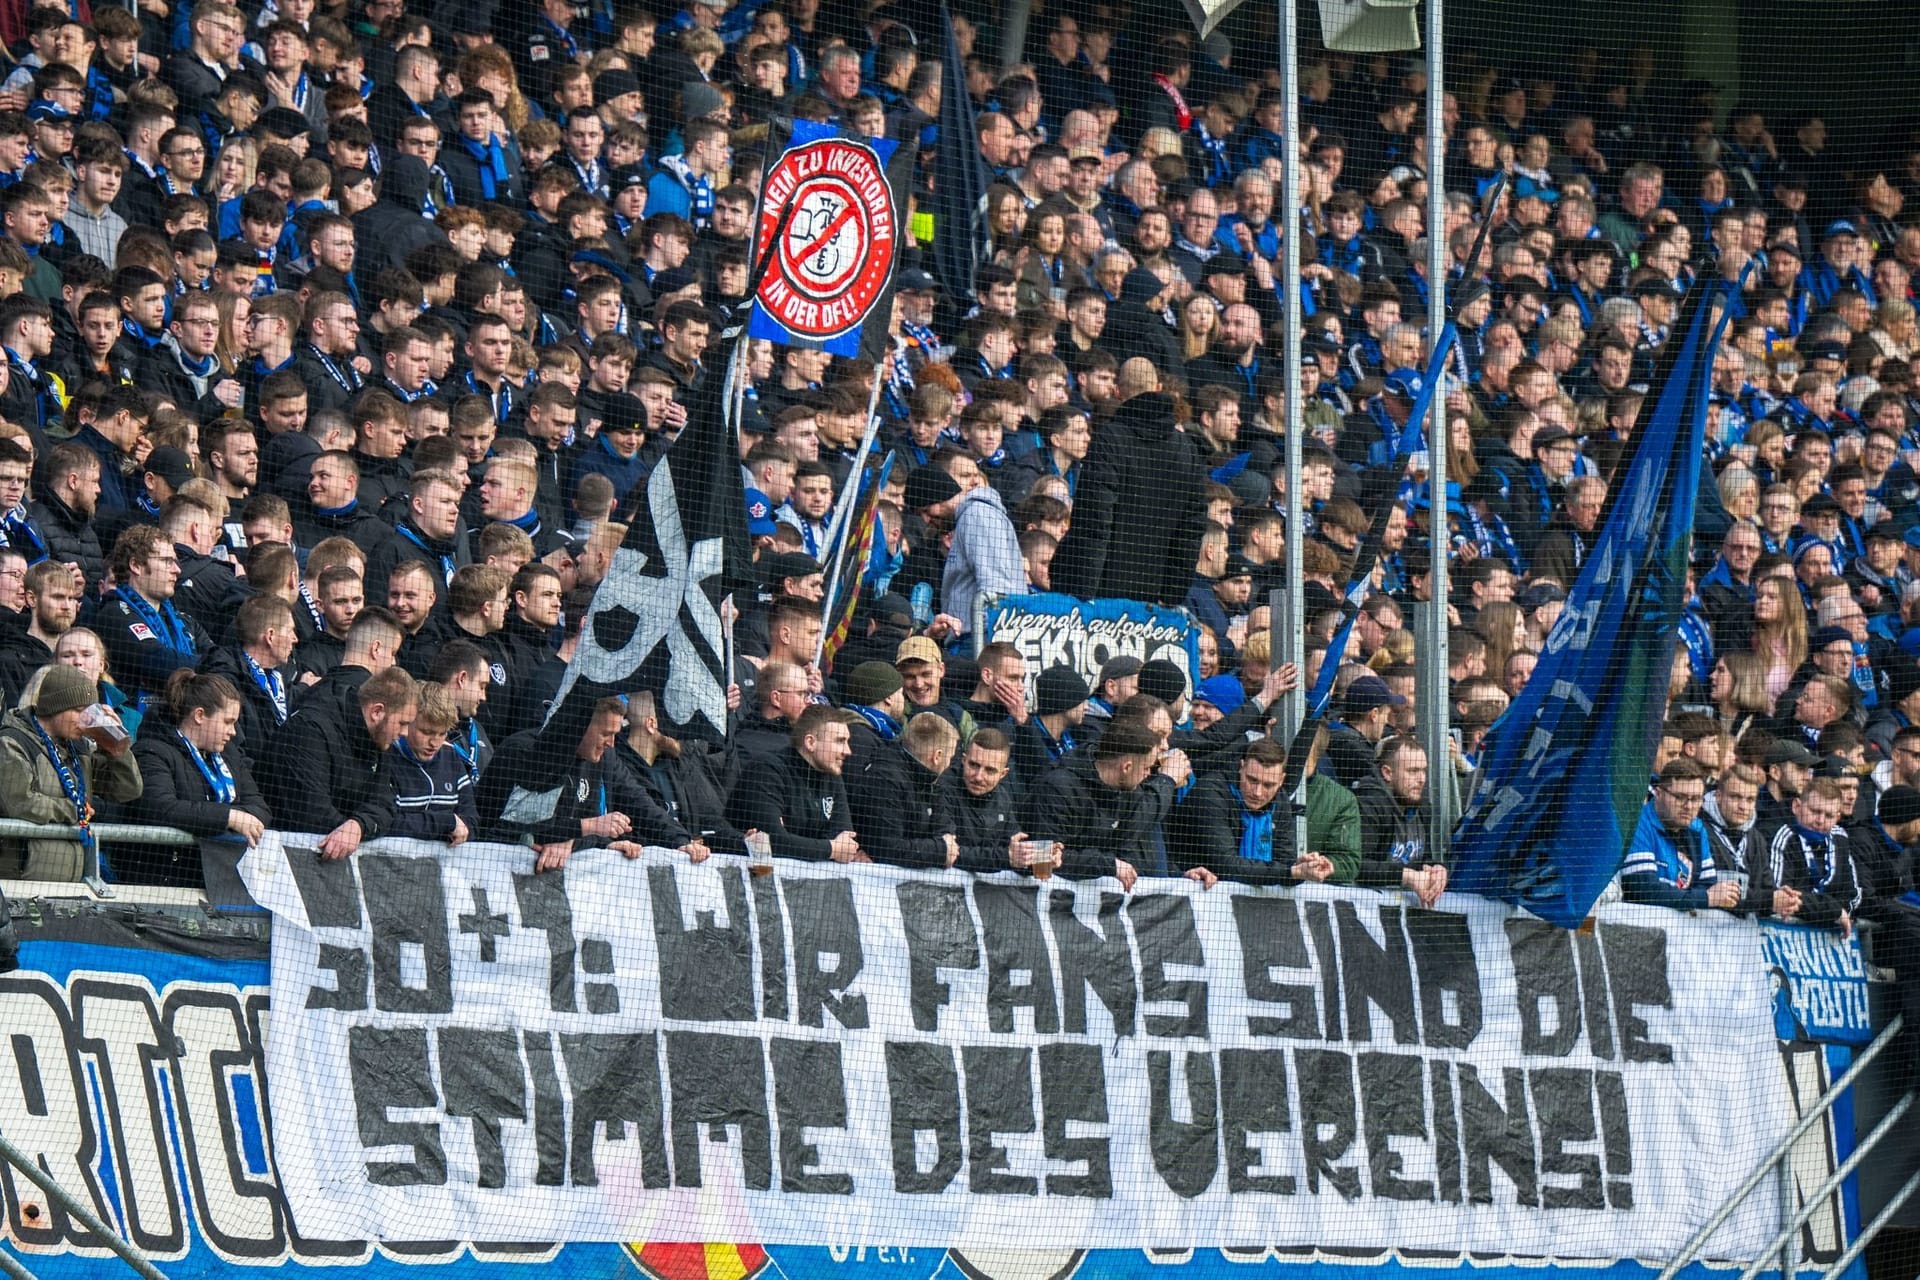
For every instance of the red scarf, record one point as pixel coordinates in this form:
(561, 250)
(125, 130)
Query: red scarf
(1184, 116)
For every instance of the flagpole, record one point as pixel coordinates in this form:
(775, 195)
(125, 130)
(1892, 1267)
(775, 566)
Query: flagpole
(843, 512)
(1289, 632)
(1431, 711)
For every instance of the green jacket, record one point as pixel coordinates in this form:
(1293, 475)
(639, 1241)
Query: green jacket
(1333, 826)
(30, 791)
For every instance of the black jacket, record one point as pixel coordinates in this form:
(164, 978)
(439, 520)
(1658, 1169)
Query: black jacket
(534, 672)
(1096, 823)
(1349, 756)
(896, 810)
(1206, 830)
(982, 824)
(208, 591)
(1392, 836)
(1784, 860)
(324, 768)
(691, 787)
(392, 227)
(259, 721)
(540, 788)
(174, 793)
(801, 808)
(332, 381)
(70, 538)
(1139, 511)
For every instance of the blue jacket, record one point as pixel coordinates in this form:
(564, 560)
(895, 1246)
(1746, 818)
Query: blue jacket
(598, 458)
(1658, 872)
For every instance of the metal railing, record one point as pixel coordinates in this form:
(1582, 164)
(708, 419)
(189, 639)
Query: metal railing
(104, 833)
(80, 1213)
(1778, 1156)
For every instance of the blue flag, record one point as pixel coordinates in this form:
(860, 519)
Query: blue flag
(1410, 442)
(1564, 772)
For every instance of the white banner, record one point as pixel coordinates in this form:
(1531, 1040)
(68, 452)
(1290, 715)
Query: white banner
(653, 1050)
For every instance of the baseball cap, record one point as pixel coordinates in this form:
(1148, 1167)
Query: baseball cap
(1788, 247)
(1086, 155)
(914, 280)
(1224, 264)
(788, 564)
(1238, 566)
(1538, 190)
(917, 649)
(760, 521)
(1821, 504)
(1368, 692)
(929, 486)
(1655, 287)
(46, 109)
(171, 465)
(1839, 227)
(1120, 668)
(1551, 434)
(1828, 350)
(627, 175)
(1887, 530)
(1787, 751)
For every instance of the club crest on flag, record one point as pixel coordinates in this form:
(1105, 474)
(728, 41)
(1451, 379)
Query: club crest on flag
(670, 1261)
(828, 234)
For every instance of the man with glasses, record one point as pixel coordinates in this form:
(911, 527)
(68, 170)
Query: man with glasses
(1668, 863)
(183, 366)
(325, 362)
(183, 156)
(197, 72)
(147, 638)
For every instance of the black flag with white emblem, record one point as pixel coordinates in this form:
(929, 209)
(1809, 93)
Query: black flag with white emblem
(655, 622)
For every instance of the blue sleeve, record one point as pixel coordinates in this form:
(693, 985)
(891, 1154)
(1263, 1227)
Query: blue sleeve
(664, 195)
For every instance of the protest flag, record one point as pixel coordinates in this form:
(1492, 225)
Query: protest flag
(655, 621)
(829, 232)
(1564, 772)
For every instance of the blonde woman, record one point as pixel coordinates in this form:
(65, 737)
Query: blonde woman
(1199, 325)
(1738, 688)
(233, 170)
(235, 311)
(1779, 632)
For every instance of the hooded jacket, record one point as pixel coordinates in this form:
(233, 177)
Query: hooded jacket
(800, 807)
(1140, 510)
(30, 791)
(897, 810)
(1393, 836)
(392, 227)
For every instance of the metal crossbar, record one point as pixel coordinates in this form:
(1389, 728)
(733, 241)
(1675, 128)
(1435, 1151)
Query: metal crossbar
(1781, 1150)
(14, 1267)
(1832, 1184)
(1865, 1238)
(85, 1216)
(102, 833)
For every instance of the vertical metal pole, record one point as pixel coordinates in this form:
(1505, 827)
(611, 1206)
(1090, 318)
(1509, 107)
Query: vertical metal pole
(1787, 1215)
(1433, 711)
(1290, 632)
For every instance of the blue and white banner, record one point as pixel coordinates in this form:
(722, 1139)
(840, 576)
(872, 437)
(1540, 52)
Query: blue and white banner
(134, 1069)
(1052, 630)
(1821, 984)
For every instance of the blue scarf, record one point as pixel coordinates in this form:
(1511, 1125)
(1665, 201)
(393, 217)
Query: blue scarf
(1256, 831)
(699, 190)
(272, 684)
(447, 565)
(883, 724)
(346, 375)
(71, 782)
(165, 622)
(19, 533)
(492, 161)
(219, 777)
(501, 400)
